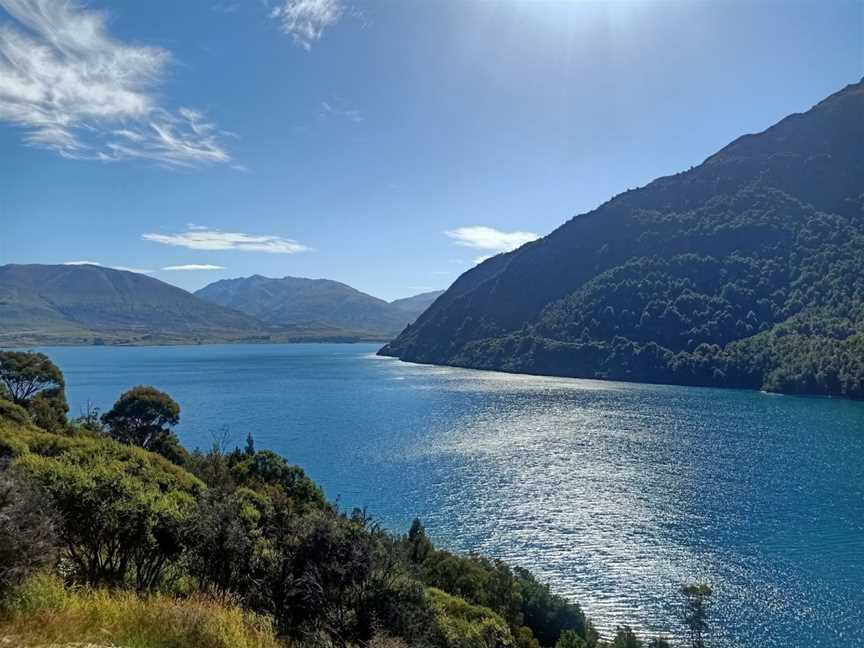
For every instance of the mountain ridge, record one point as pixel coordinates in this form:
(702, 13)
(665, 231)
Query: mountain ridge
(42, 304)
(786, 204)
(302, 301)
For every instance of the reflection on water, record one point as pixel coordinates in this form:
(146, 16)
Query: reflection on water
(615, 493)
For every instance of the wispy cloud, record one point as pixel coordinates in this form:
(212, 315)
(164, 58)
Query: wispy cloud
(351, 114)
(306, 20)
(76, 90)
(112, 267)
(480, 237)
(212, 239)
(226, 6)
(194, 266)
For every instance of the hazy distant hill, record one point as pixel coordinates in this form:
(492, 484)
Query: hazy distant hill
(747, 270)
(78, 303)
(293, 301)
(414, 306)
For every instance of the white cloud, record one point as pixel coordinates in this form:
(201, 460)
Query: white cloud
(350, 114)
(212, 239)
(488, 238)
(306, 20)
(194, 266)
(76, 90)
(112, 267)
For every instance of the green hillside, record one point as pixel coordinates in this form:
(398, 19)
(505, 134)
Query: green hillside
(297, 301)
(86, 303)
(89, 304)
(746, 271)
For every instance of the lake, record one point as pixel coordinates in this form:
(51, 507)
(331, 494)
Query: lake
(614, 493)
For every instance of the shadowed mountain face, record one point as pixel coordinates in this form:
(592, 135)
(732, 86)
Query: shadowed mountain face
(293, 301)
(63, 303)
(747, 270)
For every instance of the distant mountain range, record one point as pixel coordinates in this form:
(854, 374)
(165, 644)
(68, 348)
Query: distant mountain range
(745, 271)
(88, 304)
(295, 301)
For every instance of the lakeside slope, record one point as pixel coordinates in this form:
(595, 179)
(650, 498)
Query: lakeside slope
(745, 271)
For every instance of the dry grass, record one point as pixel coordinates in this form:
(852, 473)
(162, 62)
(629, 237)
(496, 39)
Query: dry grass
(43, 613)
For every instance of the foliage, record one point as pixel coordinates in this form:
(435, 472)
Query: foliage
(48, 410)
(469, 626)
(122, 509)
(569, 639)
(27, 540)
(24, 375)
(242, 526)
(626, 638)
(34, 383)
(697, 597)
(142, 416)
(265, 470)
(742, 272)
(42, 611)
(532, 611)
(12, 412)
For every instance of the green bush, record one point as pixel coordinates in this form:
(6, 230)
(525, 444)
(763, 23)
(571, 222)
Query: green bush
(14, 413)
(469, 626)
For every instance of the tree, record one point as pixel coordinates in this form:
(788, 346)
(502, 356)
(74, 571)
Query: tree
(48, 410)
(419, 545)
(569, 639)
(142, 416)
(27, 539)
(697, 596)
(26, 374)
(626, 638)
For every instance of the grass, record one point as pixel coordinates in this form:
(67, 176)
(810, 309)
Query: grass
(43, 612)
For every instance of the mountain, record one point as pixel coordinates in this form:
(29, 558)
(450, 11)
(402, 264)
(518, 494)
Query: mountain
(415, 305)
(745, 271)
(296, 301)
(44, 304)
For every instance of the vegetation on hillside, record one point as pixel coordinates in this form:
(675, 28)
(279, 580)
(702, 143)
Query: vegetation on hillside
(110, 531)
(746, 271)
(89, 304)
(297, 301)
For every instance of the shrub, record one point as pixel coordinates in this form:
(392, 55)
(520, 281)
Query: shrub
(27, 537)
(12, 412)
(123, 510)
(469, 626)
(38, 594)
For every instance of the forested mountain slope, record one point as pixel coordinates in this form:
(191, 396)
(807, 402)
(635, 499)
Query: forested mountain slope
(746, 271)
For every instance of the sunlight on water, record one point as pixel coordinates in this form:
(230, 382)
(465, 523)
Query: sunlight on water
(615, 493)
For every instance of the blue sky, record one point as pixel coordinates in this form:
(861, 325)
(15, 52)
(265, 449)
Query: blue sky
(389, 144)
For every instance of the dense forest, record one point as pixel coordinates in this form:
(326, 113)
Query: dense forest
(746, 271)
(112, 532)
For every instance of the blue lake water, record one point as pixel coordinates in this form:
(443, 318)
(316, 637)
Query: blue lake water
(614, 493)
